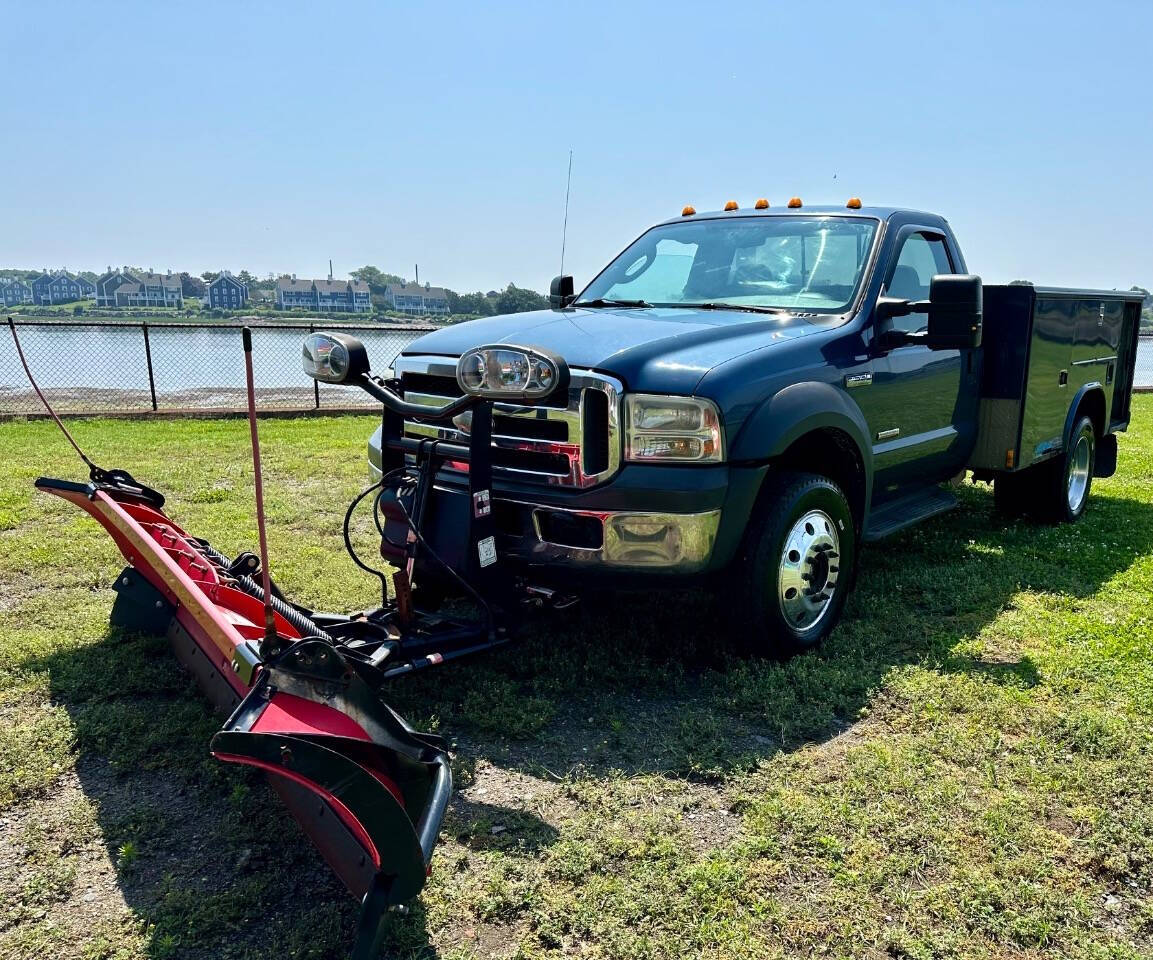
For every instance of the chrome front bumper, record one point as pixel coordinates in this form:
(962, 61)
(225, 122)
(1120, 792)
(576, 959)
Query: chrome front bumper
(654, 542)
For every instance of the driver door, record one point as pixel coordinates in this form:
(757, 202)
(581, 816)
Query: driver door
(919, 416)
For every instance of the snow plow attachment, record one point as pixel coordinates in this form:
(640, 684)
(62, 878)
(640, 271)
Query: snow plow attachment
(369, 790)
(302, 688)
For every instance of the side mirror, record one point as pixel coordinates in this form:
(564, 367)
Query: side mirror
(334, 358)
(955, 312)
(560, 292)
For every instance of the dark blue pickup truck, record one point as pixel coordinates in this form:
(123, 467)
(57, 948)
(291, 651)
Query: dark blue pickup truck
(754, 393)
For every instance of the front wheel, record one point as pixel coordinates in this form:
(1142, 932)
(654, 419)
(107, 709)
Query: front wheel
(795, 567)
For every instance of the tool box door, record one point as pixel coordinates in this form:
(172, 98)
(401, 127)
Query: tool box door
(1096, 345)
(1047, 391)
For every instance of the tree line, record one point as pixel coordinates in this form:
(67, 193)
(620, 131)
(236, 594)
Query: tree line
(512, 299)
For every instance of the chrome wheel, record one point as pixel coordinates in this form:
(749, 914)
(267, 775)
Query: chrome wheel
(1077, 479)
(808, 570)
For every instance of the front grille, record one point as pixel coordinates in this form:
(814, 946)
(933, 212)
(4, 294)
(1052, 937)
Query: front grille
(572, 441)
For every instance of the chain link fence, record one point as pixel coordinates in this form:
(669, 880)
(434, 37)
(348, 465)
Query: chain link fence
(118, 367)
(1143, 375)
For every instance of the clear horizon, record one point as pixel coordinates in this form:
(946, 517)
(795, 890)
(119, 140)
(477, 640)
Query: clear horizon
(270, 138)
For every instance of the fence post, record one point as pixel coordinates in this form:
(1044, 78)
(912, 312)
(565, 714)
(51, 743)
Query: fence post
(148, 360)
(315, 383)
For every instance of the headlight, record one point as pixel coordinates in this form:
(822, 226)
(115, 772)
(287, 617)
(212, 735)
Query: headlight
(672, 429)
(511, 373)
(334, 357)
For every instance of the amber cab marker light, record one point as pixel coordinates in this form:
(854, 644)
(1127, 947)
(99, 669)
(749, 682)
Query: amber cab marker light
(731, 205)
(854, 203)
(794, 203)
(688, 211)
(761, 204)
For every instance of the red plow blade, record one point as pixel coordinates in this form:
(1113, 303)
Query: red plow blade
(369, 790)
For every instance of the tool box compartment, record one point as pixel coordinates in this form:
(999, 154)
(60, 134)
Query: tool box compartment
(1043, 349)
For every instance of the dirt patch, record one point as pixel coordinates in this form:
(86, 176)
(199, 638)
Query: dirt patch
(105, 853)
(55, 869)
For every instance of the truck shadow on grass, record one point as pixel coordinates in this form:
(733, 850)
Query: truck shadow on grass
(656, 684)
(633, 685)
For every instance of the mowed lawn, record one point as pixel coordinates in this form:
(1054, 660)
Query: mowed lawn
(964, 770)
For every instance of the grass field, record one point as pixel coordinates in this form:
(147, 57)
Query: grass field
(965, 770)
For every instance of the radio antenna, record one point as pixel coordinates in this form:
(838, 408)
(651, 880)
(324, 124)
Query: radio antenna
(564, 229)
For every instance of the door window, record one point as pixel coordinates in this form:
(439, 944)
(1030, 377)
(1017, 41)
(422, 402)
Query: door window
(922, 256)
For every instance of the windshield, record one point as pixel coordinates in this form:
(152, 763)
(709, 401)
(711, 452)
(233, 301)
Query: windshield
(810, 264)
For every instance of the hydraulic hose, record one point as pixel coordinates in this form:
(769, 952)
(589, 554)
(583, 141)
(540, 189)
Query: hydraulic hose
(302, 623)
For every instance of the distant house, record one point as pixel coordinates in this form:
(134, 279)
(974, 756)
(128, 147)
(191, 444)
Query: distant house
(330, 296)
(58, 287)
(13, 292)
(292, 293)
(227, 293)
(415, 299)
(107, 283)
(124, 288)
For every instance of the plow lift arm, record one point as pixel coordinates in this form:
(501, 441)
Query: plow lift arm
(302, 688)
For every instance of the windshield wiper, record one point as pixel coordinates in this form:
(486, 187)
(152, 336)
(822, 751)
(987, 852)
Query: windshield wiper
(602, 302)
(712, 305)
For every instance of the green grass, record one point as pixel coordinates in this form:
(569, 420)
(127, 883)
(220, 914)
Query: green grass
(964, 770)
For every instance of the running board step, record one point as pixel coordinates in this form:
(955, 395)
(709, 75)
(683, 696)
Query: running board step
(895, 516)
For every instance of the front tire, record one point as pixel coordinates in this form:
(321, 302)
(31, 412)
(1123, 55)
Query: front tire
(795, 567)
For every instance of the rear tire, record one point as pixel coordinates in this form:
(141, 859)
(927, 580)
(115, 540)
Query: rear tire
(1069, 478)
(795, 567)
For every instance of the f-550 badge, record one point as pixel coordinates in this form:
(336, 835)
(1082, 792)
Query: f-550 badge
(858, 380)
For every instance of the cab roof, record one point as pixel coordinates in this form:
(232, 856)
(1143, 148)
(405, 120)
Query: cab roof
(824, 210)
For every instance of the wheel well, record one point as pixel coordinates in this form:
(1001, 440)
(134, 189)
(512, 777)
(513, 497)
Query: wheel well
(833, 454)
(1093, 405)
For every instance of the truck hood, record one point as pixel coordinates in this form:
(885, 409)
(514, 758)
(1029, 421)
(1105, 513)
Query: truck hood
(662, 349)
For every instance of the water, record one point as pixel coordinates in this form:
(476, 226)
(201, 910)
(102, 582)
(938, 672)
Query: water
(89, 368)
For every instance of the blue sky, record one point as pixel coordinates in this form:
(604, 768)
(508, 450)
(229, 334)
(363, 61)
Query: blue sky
(272, 136)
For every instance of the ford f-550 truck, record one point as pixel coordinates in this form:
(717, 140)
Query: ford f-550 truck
(754, 393)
